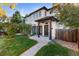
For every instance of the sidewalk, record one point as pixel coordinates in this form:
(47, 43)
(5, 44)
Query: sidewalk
(42, 41)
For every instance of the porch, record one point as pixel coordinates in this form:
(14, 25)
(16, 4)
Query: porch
(45, 27)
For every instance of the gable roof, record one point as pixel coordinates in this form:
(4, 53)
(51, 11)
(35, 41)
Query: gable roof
(41, 9)
(38, 10)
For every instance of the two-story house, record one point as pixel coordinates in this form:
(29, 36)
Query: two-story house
(44, 22)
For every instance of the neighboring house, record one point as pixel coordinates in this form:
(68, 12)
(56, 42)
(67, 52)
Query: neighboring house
(8, 19)
(44, 22)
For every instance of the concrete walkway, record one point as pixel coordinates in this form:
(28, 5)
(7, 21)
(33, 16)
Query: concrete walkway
(42, 41)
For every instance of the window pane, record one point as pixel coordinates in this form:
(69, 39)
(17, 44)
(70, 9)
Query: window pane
(40, 14)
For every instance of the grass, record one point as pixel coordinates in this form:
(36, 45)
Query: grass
(15, 46)
(54, 50)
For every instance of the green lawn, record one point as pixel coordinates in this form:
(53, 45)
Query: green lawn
(15, 46)
(54, 50)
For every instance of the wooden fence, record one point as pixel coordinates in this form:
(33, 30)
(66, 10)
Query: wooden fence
(69, 35)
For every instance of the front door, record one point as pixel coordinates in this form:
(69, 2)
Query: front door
(45, 30)
(40, 29)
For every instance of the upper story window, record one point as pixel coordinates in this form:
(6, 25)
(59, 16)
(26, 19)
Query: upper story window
(36, 14)
(45, 13)
(33, 15)
(39, 13)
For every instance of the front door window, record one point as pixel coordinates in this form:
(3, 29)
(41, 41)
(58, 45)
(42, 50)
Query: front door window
(46, 30)
(40, 30)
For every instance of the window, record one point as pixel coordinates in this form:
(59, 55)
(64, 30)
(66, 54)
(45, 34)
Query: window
(33, 15)
(39, 13)
(45, 13)
(36, 14)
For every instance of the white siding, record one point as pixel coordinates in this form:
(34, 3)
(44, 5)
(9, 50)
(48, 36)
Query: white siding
(54, 26)
(31, 19)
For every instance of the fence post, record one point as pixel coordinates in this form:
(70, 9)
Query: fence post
(77, 37)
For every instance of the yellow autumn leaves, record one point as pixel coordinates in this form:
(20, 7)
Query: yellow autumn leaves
(2, 11)
(56, 4)
(12, 6)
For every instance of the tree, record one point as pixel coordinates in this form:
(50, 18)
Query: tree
(10, 29)
(3, 16)
(2, 11)
(24, 19)
(69, 15)
(16, 17)
(25, 28)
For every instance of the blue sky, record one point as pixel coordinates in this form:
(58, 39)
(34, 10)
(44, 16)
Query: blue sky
(26, 8)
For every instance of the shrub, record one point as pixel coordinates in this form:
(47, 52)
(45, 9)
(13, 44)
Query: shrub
(25, 29)
(10, 29)
(33, 34)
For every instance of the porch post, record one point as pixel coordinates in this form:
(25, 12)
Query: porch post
(50, 29)
(38, 30)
